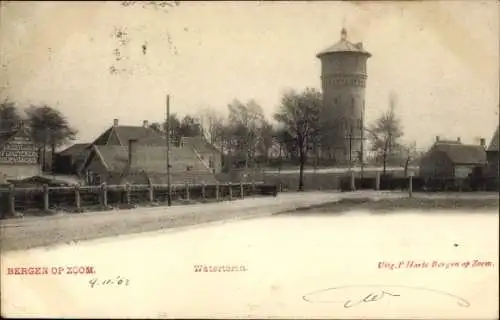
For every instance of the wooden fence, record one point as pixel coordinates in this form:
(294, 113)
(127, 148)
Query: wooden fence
(80, 198)
(377, 181)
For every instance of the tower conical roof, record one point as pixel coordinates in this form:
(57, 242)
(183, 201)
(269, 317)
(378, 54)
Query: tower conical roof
(344, 45)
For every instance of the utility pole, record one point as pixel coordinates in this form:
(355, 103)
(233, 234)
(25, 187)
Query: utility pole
(350, 148)
(167, 133)
(362, 153)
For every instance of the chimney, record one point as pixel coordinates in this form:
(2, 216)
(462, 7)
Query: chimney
(115, 122)
(482, 142)
(132, 153)
(145, 123)
(437, 138)
(459, 140)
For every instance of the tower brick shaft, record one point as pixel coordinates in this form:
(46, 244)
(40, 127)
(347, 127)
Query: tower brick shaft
(343, 78)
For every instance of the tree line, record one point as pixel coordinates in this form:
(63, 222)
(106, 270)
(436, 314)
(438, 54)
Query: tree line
(296, 136)
(245, 137)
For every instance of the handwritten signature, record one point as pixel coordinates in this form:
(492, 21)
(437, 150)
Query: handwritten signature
(375, 293)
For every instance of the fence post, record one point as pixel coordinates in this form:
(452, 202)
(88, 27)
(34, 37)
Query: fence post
(377, 181)
(203, 191)
(242, 190)
(410, 186)
(353, 181)
(12, 200)
(230, 186)
(127, 193)
(78, 201)
(151, 195)
(104, 195)
(217, 191)
(187, 191)
(45, 198)
(253, 188)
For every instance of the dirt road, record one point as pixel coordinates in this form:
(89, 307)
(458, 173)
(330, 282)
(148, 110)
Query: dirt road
(25, 233)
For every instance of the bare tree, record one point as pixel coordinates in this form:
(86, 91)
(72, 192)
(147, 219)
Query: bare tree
(385, 133)
(409, 153)
(212, 124)
(246, 122)
(299, 115)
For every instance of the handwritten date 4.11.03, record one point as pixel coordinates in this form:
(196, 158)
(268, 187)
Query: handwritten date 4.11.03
(110, 282)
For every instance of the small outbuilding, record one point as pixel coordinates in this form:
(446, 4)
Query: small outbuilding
(453, 160)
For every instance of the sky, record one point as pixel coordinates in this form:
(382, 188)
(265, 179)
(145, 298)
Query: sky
(439, 58)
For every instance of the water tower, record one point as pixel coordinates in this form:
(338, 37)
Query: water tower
(343, 78)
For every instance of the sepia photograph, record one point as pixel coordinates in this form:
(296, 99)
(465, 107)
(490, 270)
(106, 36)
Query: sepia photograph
(249, 159)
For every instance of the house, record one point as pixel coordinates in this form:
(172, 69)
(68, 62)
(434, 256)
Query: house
(492, 156)
(19, 156)
(453, 160)
(141, 164)
(70, 159)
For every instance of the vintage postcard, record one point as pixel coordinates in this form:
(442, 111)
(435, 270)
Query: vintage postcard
(260, 159)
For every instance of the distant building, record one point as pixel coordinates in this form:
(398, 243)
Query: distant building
(70, 160)
(492, 155)
(141, 164)
(110, 159)
(343, 81)
(452, 159)
(19, 156)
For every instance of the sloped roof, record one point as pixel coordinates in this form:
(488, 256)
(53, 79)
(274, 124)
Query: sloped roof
(200, 144)
(494, 141)
(448, 142)
(344, 45)
(115, 158)
(151, 159)
(75, 149)
(151, 163)
(143, 136)
(461, 153)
